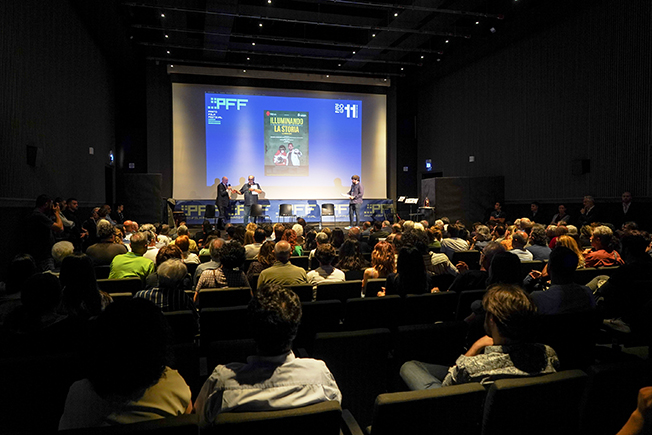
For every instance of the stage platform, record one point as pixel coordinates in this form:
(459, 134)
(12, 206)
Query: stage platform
(310, 210)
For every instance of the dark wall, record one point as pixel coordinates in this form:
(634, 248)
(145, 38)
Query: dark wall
(578, 90)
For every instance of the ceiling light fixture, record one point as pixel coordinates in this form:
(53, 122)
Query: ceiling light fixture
(162, 15)
(166, 36)
(260, 24)
(396, 14)
(253, 43)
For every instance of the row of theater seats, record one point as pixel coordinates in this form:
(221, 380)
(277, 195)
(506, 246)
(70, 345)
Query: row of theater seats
(596, 401)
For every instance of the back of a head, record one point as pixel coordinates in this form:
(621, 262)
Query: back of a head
(266, 256)
(21, 268)
(139, 242)
(562, 265)
(259, 235)
(79, 283)
(183, 242)
(325, 254)
(279, 229)
(167, 252)
(538, 235)
(104, 229)
(215, 247)
(454, 230)
(182, 230)
(129, 349)
(383, 257)
(282, 251)
(274, 314)
(232, 255)
(410, 262)
(505, 268)
(171, 273)
(61, 250)
(519, 239)
(321, 238)
(634, 244)
(415, 238)
(512, 309)
(41, 293)
(298, 228)
(337, 237)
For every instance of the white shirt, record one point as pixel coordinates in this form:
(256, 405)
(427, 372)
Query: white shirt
(325, 274)
(266, 383)
(523, 254)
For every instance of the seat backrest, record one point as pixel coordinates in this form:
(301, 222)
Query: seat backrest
(184, 325)
(339, 290)
(256, 210)
(374, 286)
(352, 275)
(464, 301)
(102, 272)
(452, 410)
(470, 257)
(429, 308)
(186, 424)
(229, 323)
(318, 316)
(539, 405)
(328, 209)
(318, 419)
(304, 291)
(369, 313)
(223, 297)
(300, 261)
(210, 211)
(121, 296)
(285, 210)
(437, 343)
(205, 258)
(529, 266)
(122, 285)
(359, 362)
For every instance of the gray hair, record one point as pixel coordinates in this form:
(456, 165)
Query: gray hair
(104, 229)
(182, 230)
(139, 239)
(492, 249)
(321, 238)
(602, 231)
(482, 233)
(298, 228)
(215, 247)
(408, 225)
(62, 249)
(171, 272)
(419, 226)
(147, 227)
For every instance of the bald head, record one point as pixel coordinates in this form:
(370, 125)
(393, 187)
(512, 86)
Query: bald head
(282, 251)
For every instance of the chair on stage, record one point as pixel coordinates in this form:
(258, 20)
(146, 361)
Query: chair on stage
(285, 211)
(210, 213)
(327, 210)
(257, 211)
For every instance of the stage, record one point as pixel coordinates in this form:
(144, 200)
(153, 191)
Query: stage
(309, 209)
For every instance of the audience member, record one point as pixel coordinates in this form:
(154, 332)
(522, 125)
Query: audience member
(169, 294)
(337, 238)
(40, 227)
(214, 247)
(274, 378)
(602, 253)
(291, 237)
(229, 274)
(81, 298)
(103, 252)
(561, 216)
(535, 214)
(589, 212)
(356, 234)
(519, 240)
(383, 262)
(350, 258)
(129, 378)
(264, 260)
(258, 239)
(282, 272)
(563, 296)
(183, 242)
(538, 246)
(60, 250)
(506, 350)
(325, 272)
(476, 279)
(411, 275)
(454, 243)
(641, 419)
(498, 215)
(132, 264)
(164, 254)
(482, 237)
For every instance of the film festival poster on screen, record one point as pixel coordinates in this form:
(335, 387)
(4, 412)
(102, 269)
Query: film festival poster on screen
(286, 143)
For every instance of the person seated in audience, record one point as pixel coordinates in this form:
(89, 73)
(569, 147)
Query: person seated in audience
(164, 254)
(152, 249)
(538, 246)
(81, 298)
(641, 419)
(589, 212)
(453, 243)
(602, 252)
(290, 236)
(350, 257)
(366, 229)
(435, 263)
(378, 233)
(506, 350)
(561, 216)
(36, 326)
(164, 234)
(519, 241)
(476, 279)
(214, 247)
(356, 234)
(298, 229)
(337, 238)
(498, 233)
(103, 252)
(560, 230)
(131, 228)
(273, 379)
(183, 231)
(563, 296)
(325, 272)
(279, 229)
(60, 250)
(229, 274)
(535, 214)
(129, 378)
(383, 262)
(310, 242)
(411, 276)
(507, 241)
(22, 267)
(265, 259)
(481, 238)
(251, 226)
(621, 302)
(249, 237)
(282, 271)
(201, 236)
(252, 249)
(169, 294)
(105, 213)
(434, 238)
(184, 244)
(320, 239)
(133, 264)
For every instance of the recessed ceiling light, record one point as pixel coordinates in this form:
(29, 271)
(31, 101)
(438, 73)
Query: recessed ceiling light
(401, 68)
(162, 15)
(327, 75)
(354, 52)
(339, 64)
(396, 14)
(477, 22)
(253, 43)
(373, 35)
(244, 70)
(166, 36)
(447, 41)
(168, 51)
(171, 66)
(421, 57)
(247, 58)
(260, 24)
(269, 1)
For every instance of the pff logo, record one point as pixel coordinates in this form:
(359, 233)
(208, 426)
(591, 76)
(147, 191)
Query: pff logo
(227, 103)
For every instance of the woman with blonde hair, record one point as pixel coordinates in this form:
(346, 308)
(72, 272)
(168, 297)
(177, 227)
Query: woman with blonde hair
(383, 262)
(571, 244)
(249, 237)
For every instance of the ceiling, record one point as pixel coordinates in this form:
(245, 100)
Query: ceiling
(366, 38)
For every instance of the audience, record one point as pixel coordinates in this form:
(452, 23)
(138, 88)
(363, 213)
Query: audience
(104, 251)
(132, 264)
(325, 272)
(282, 272)
(214, 248)
(519, 241)
(264, 259)
(164, 254)
(229, 274)
(453, 243)
(184, 244)
(290, 236)
(258, 237)
(169, 295)
(274, 378)
(383, 262)
(411, 275)
(81, 297)
(350, 257)
(602, 252)
(538, 246)
(40, 228)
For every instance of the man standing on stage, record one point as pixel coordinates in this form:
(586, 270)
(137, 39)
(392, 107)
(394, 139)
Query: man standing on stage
(250, 190)
(223, 200)
(355, 196)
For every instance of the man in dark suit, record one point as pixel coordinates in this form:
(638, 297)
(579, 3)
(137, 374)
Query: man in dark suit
(589, 213)
(223, 200)
(626, 212)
